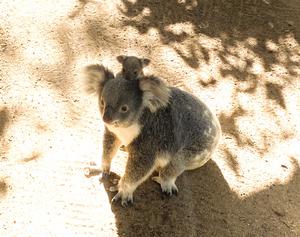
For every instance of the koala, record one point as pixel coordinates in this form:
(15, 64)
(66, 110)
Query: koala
(132, 67)
(164, 129)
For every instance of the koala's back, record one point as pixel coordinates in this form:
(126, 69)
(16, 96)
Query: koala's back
(194, 124)
(186, 123)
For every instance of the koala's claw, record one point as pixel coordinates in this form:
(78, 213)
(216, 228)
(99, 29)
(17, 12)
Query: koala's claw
(170, 191)
(125, 199)
(169, 188)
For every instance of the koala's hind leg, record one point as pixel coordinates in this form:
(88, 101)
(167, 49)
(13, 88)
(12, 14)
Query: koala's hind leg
(168, 175)
(199, 160)
(111, 145)
(138, 169)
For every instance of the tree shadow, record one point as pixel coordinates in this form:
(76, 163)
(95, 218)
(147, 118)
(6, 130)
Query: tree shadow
(59, 77)
(232, 161)
(274, 92)
(101, 36)
(229, 126)
(4, 123)
(7, 47)
(206, 206)
(4, 187)
(263, 20)
(79, 8)
(33, 157)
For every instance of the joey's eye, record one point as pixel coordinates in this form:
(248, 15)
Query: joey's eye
(124, 108)
(123, 70)
(135, 72)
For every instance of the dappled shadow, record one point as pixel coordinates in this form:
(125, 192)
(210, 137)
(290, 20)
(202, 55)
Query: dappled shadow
(274, 92)
(42, 127)
(7, 46)
(33, 157)
(212, 82)
(230, 21)
(228, 124)
(79, 8)
(232, 161)
(59, 77)
(4, 122)
(101, 36)
(3, 187)
(251, 135)
(206, 206)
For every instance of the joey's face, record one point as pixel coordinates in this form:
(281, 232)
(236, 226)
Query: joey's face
(120, 102)
(132, 68)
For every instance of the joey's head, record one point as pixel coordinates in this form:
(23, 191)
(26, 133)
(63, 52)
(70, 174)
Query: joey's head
(132, 67)
(122, 101)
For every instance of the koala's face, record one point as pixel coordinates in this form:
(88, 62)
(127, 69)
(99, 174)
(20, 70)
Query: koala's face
(120, 102)
(132, 67)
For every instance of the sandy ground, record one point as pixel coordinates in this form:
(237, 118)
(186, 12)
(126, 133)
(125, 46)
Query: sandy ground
(241, 57)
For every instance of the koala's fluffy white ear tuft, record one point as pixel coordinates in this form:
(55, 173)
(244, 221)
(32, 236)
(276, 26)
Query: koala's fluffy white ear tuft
(96, 76)
(121, 58)
(145, 62)
(156, 93)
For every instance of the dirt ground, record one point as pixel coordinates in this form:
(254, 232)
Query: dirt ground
(241, 57)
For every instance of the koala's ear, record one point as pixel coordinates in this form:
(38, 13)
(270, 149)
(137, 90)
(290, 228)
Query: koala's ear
(145, 61)
(121, 58)
(156, 93)
(96, 76)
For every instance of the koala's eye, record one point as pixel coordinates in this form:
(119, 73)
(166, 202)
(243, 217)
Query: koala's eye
(124, 108)
(123, 70)
(135, 72)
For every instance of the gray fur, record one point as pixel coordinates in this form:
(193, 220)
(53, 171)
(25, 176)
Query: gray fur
(173, 131)
(96, 76)
(132, 67)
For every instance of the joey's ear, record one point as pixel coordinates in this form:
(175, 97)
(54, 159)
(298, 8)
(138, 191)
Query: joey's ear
(96, 76)
(145, 61)
(121, 58)
(156, 93)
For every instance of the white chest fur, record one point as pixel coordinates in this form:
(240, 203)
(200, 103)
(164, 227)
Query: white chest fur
(126, 135)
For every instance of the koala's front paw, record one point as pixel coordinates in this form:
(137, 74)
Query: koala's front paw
(167, 187)
(126, 198)
(105, 172)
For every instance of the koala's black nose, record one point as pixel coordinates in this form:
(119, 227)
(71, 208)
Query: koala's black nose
(107, 115)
